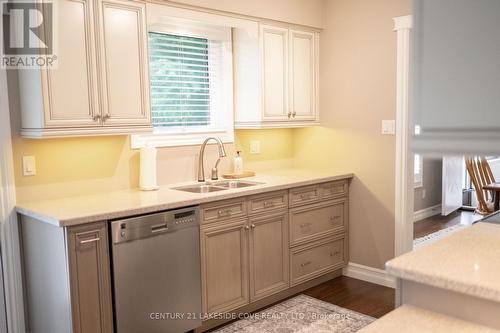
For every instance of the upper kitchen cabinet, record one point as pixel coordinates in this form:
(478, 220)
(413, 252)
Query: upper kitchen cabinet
(456, 76)
(100, 82)
(124, 65)
(273, 49)
(286, 87)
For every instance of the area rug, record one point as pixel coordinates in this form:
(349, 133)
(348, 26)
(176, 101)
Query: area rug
(301, 314)
(435, 236)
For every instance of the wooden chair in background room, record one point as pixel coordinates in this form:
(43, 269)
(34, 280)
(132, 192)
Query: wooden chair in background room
(480, 174)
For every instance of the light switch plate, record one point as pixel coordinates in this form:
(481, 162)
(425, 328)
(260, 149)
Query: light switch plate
(254, 147)
(388, 127)
(29, 166)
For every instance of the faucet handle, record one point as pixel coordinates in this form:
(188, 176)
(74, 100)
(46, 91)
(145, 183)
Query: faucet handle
(215, 175)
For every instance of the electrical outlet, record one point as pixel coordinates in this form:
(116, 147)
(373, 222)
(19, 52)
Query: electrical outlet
(388, 127)
(29, 166)
(254, 147)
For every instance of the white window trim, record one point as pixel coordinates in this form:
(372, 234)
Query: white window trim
(159, 138)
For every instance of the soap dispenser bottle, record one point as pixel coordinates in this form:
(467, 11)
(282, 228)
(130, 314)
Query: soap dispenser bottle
(238, 163)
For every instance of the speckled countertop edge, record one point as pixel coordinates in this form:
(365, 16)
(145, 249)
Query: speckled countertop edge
(41, 210)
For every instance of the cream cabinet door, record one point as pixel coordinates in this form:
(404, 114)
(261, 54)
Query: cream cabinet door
(70, 94)
(302, 75)
(274, 63)
(124, 63)
(269, 271)
(224, 252)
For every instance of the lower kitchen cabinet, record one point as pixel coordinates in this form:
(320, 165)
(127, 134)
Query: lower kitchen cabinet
(268, 254)
(317, 258)
(224, 253)
(244, 260)
(90, 280)
(66, 277)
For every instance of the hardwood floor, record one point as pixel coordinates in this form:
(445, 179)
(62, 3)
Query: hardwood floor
(435, 223)
(360, 296)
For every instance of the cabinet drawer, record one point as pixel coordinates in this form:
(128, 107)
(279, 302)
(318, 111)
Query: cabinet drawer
(222, 210)
(318, 220)
(267, 202)
(333, 189)
(315, 259)
(304, 195)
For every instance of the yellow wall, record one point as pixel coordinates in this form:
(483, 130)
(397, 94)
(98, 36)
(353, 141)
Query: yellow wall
(86, 165)
(358, 90)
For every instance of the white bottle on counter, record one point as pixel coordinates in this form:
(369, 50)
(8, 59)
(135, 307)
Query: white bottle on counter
(238, 164)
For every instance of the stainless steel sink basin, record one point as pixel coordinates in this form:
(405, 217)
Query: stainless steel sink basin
(236, 183)
(201, 188)
(216, 186)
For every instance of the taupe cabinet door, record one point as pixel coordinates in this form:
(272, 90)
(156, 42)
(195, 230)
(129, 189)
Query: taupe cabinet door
(90, 280)
(224, 254)
(268, 255)
(124, 67)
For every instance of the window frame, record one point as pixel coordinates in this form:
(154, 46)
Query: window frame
(160, 137)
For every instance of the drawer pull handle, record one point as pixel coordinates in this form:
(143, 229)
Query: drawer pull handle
(225, 212)
(305, 225)
(336, 253)
(304, 264)
(268, 204)
(86, 241)
(305, 196)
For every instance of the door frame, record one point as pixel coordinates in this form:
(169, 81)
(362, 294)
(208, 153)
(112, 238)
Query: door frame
(404, 189)
(8, 219)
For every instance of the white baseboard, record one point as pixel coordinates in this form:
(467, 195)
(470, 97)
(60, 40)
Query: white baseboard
(369, 274)
(427, 212)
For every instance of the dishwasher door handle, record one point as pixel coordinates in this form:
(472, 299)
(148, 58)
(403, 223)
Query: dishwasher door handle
(159, 228)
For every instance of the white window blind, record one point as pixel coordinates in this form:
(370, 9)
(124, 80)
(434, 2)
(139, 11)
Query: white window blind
(191, 87)
(181, 71)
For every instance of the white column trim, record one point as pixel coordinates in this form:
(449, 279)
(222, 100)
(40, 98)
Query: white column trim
(403, 214)
(8, 219)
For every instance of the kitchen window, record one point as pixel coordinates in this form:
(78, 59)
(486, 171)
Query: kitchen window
(191, 91)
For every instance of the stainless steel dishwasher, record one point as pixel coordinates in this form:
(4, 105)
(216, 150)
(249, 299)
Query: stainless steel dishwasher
(156, 272)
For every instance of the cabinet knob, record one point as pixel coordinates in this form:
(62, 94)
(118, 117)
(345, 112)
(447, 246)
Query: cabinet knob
(289, 115)
(247, 227)
(106, 116)
(293, 114)
(253, 226)
(96, 117)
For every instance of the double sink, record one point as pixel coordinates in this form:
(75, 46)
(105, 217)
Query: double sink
(208, 187)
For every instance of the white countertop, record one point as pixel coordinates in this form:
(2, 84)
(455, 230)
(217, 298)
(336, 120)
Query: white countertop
(411, 319)
(467, 262)
(118, 204)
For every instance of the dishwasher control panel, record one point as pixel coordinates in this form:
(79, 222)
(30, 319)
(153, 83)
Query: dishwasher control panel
(188, 217)
(154, 224)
